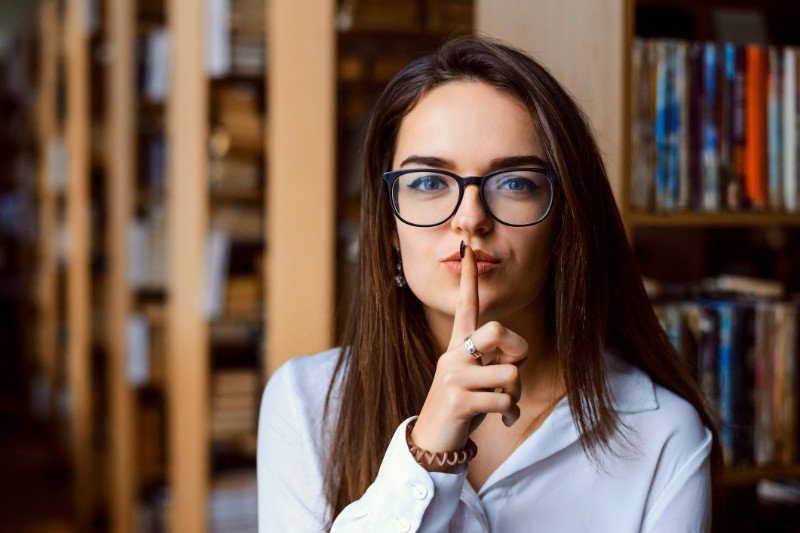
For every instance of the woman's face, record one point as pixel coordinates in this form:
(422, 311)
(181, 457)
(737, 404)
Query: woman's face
(470, 128)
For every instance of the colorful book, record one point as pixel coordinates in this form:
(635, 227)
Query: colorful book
(774, 131)
(756, 127)
(736, 185)
(790, 126)
(662, 114)
(710, 132)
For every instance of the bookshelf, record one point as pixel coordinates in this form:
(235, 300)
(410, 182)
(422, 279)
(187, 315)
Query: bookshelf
(707, 243)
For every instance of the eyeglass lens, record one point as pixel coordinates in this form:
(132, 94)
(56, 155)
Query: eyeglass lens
(429, 198)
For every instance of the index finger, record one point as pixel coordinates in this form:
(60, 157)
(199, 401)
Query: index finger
(466, 317)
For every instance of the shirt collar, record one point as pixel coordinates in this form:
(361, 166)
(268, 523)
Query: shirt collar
(631, 391)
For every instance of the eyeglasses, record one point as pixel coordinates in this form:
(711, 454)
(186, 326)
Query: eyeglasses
(512, 196)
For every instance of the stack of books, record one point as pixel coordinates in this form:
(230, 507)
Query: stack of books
(233, 503)
(714, 127)
(248, 37)
(744, 352)
(234, 404)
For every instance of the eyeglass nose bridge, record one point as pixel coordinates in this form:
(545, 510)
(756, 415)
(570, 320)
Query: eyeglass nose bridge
(471, 180)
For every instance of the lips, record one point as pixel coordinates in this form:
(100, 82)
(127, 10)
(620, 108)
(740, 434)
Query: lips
(480, 256)
(486, 262)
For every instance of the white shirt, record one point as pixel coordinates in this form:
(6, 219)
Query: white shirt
(547, 484)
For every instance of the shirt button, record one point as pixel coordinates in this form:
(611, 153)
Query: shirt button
(420, 492)
(403, 525)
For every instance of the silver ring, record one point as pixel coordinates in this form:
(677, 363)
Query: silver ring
(471, 348)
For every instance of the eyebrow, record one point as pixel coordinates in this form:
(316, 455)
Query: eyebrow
(502, 162)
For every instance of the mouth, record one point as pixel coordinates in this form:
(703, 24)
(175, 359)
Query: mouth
(486, 262)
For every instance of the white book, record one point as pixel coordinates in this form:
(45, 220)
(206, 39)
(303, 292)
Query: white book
(790, 122)
(57, 161)
(218, 38)
(137, 350)
(159, 66)
(136, 271)
(218, 246)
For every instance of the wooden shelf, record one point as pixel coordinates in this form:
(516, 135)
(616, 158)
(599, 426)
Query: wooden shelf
(750, 476)
(711, 220)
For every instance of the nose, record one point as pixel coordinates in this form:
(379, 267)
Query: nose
(471, 217)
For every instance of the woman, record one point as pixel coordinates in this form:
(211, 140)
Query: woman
(539, 348)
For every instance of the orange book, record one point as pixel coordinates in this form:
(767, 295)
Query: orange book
(755, 151)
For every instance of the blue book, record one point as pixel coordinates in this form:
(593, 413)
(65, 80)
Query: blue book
(710, 133)
(661, 127)
(727, 319)
(674, 127)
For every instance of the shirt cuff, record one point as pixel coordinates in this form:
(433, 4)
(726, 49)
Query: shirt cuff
(406, 497)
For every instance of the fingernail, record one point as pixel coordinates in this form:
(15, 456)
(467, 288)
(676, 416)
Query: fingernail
(462, 249)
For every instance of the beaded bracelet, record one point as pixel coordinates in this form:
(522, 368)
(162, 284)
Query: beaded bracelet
(451, 458)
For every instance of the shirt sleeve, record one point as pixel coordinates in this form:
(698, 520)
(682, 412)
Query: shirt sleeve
(289, 480)
(404, 497)
(685, 503)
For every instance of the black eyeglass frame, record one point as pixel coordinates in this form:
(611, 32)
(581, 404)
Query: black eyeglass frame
(391, 176)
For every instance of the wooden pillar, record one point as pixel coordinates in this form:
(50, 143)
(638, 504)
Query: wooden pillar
(187, 225)
(78, 249)
(584, 44)
(120, 126)
(301, 179)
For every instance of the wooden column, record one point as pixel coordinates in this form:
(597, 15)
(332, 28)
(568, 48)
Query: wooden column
(120, 126)
(584, 44)
(78, 249)
(301, 179)
(187, 330)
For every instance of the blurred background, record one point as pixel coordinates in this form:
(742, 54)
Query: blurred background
(179, 211)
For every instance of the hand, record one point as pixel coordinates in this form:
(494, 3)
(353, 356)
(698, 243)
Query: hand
(463, 390)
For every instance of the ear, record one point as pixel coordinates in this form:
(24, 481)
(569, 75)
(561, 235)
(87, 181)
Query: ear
(395, 241)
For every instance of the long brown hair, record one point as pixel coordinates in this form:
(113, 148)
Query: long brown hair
(388, 355)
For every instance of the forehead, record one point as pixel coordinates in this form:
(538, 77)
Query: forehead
(469, 123)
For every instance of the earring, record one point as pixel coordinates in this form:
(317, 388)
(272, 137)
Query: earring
(399, 279)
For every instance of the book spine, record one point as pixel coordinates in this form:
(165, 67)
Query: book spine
(764, 445)
(774, 130)
(736, 184)
(710, 133)
(682, 89)
(756, 134)
(696, 125)
(790, 126)
(673, 158)
(726, 126)
(661, 126)
(725, 385)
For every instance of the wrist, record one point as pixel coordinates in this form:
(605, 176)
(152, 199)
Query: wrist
(439, 461)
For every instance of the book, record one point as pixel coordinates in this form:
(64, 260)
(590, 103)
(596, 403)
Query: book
(790, 124)
(756, 127)
(137, 350)
(774, 131)
(710, 148)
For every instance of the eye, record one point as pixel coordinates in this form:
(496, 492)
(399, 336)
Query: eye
(517, 184)
(428, 182)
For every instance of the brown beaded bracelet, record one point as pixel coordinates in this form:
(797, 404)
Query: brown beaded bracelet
(451, 458)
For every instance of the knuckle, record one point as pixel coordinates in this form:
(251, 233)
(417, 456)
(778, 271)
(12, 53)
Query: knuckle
(448, 379)
(496, 328)
(510, 373)
(504, 402)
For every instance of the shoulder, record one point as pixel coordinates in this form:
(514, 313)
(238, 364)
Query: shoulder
(305, 378)
(666, 422)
